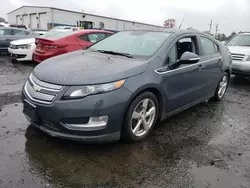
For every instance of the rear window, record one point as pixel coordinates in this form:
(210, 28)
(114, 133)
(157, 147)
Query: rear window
(57, 35)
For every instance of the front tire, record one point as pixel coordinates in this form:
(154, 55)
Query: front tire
(141, 117)
(222, 87)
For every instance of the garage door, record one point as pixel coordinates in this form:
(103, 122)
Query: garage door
(26, 21)
(43, 21)
(18, 20)
(33, 21)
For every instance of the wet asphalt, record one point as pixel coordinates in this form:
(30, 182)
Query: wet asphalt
(205, 146)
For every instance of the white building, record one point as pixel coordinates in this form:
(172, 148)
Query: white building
(48, 17)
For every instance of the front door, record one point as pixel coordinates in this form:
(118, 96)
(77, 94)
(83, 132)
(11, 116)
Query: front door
(183, 84)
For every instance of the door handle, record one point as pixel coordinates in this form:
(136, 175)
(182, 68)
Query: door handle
(200, 67)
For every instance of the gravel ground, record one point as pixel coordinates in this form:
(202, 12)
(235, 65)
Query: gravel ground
(205, 146)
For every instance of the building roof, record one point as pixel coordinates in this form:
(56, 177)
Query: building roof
(83, 13)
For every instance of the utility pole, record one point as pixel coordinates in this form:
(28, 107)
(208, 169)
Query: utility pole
(210, 26)
(216, 30)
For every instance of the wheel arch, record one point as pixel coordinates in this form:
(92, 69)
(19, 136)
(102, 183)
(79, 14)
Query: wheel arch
(148, 88)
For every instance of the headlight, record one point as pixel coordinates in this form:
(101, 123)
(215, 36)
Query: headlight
(83, 91)
(26, 46)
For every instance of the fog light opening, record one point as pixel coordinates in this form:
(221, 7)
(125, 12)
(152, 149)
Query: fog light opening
(94, 123)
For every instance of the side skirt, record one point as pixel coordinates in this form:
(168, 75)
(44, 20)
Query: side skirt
(178, 110)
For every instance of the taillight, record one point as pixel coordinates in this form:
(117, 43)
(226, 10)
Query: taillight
(54, 46)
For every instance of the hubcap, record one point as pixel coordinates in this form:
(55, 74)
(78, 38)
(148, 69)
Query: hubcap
(222, 86)
(143, 117)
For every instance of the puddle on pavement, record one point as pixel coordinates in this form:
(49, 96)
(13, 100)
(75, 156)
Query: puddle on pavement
(30, 158)
(211, 176)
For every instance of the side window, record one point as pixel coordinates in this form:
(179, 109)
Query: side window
(185, 44)
(172, 56)
(5, 32)
(84, 37)
(208, 46)
(20, 32)
(216, 47)
(95, 37)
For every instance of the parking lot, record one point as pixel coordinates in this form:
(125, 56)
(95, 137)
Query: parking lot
(205, 146)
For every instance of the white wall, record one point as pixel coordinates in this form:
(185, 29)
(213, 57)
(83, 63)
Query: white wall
(14, 17)
(70, 18)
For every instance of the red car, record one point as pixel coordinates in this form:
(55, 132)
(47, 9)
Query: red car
(56, 43)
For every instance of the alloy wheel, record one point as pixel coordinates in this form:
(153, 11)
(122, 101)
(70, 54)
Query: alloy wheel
(222, 86)
(143, 117)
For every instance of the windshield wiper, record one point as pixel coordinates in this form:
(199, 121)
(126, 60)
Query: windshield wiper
(115, 53)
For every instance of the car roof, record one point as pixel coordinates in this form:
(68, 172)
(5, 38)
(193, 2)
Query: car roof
(167, 30)
(92, 31)
(22, 29)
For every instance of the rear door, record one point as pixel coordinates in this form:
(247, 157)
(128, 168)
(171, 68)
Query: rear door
(183, 84)
(211, 62)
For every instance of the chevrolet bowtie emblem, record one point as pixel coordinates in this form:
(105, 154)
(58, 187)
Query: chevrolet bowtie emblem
(36, 88)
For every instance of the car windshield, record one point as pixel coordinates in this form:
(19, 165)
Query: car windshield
(240, 40)
(136, 43)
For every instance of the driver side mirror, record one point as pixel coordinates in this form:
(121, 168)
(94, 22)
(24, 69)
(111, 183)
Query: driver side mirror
(186, 58)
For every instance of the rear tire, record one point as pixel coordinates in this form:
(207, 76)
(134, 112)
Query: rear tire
(221, 87)
(140, 117)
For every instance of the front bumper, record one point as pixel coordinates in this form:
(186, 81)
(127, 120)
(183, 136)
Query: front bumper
(51, 118)
(21, 54)
(241, 67)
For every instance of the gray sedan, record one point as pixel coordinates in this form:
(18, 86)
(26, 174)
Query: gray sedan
(8, 34)
(120, 86)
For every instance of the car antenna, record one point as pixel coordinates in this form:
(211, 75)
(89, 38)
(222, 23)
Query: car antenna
(181, 23)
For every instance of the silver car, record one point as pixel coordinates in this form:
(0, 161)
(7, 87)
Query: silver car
(239, 47)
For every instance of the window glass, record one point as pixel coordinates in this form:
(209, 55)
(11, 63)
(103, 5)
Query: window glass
(20, 32)
(57, 34)
(95, 37)
(140, 43)
(84, 37)
(240, 40)
(5, 31)
(207, 46)
(172, 56)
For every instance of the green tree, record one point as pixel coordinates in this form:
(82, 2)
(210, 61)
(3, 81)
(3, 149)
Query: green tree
(231, 35)
(2, 20)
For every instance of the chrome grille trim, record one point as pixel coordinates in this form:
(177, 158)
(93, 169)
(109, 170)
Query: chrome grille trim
(33, 99)
(238, 57)
(41, 92)
(44, 85)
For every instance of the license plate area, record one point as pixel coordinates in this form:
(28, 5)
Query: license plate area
(30, 110)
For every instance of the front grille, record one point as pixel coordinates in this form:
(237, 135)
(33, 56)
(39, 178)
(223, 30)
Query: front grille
(40, 91)
(238, 57)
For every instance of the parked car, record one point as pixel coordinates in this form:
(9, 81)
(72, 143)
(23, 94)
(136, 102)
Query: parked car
(239, 46)
(120, 86)
(8, 34)
(23, 49)
(39, 31)
(64, 42)
(65, 28)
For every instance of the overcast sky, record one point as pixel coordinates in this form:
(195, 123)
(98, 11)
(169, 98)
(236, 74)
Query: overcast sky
(231, 15)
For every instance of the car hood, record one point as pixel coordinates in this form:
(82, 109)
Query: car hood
(82, 68)
(23, 41)
(240, 49)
